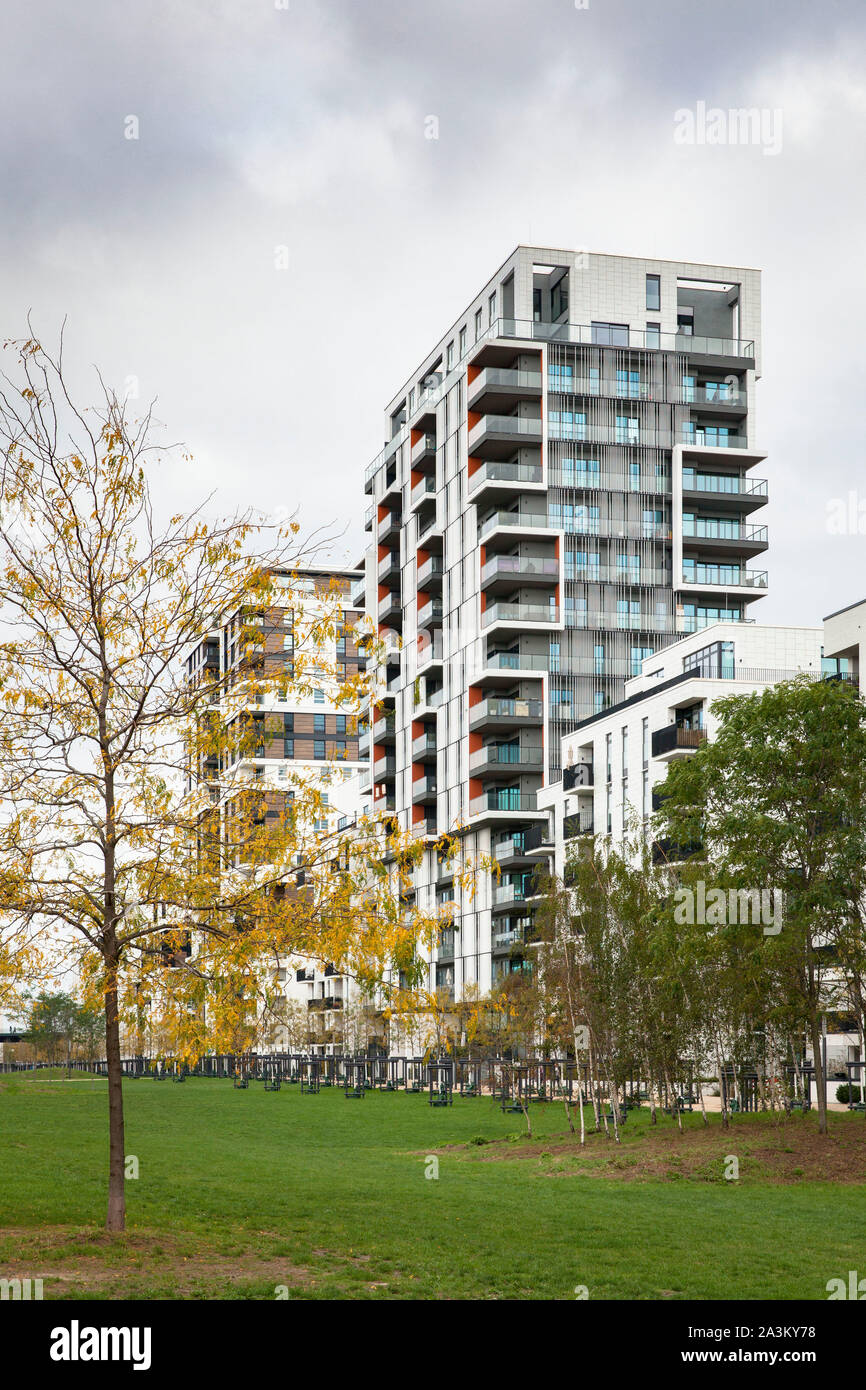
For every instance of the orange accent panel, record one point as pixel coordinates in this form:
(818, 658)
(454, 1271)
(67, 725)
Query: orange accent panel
(476, 695)
(475, 742)
(472, 371)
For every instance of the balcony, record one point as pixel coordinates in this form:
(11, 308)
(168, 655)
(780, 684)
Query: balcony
(710, 439)
(506, 615)
(389, 569)
(428, 524)
(702, 577)
(430, 653)
(429, 701)
(503, 668)
(504, 571)
(580, 823)
(507, 894)
(510, 713)
(732, 538)
(384, 767)
(506, 938)
(430, 612)
(577, 776)
(368, 518)
(388, 528)
(505, 760)
(497, 436)
(359, 595)
(673, 741)
(430, 573)
(383, 729)
(423, 493)
(719, 396)
(494, 387)
(508, 522)
(428, 825)
(501, 807)
(390, 608)
(424, 449)
(496, 479)
(423, 789)
(733, 490)
(424, 747)
(718, 350)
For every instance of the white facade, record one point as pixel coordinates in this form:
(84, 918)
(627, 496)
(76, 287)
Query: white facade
(566, 489)
(612, 762)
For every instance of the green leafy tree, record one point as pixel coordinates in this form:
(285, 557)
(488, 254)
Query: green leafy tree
(776, 800)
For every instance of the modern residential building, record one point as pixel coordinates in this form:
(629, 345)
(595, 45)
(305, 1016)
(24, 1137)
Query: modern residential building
(613, 761)
(306, 730)
(566, 488)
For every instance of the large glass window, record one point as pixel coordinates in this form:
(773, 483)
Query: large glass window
(653, 292)
(610, 334)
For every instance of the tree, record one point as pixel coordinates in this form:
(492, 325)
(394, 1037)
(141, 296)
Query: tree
(50, 1023)
(777, 802)
(172, 891)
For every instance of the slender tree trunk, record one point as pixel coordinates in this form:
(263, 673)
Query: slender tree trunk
(116, 1219)
(700, 1086)
(723, 1090)
(820, 1082)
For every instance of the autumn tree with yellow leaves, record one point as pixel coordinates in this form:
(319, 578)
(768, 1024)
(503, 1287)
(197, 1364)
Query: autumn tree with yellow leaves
(136, 843)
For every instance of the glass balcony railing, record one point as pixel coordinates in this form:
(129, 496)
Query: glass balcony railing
(516, 661)
(606, 335)
(723, 483)
(511, 707)
(495, 471)
(517, 566)
(504, 755)
(536, 521)
(519, 613)
(504, 801)
(729, 578)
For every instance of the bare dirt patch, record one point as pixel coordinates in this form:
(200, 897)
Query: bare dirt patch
(768, 1150)
(79, 1262)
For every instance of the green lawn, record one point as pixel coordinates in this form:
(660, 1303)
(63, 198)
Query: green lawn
(241, 1191)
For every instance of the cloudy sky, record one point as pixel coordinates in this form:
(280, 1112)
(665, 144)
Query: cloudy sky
(301, 124)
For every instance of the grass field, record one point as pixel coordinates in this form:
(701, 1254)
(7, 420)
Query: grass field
(241, 1192)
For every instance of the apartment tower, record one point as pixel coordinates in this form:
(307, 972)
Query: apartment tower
(567, 487)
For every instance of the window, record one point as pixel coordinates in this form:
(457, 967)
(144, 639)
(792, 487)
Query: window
(319, 749)
(462, 341)
(491, 308)
(598, 658)
(559, 299)
(567, 424)
(628, 383)
(318, 723)
(477, 324)
(627, 429)
(653, 335)
(645, 742)
(653, 292)
(634, 477)
(610, 334)
(688, 388)
(685, 320)
(638, 656)
(554, 656)
(449, 355)
(318, 696)
(288, 747)
(341, 724)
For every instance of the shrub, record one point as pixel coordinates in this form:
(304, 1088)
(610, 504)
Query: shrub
(842, 1094)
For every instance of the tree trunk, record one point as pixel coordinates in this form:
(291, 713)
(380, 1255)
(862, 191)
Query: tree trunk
(820, 1082)
(116, 1218)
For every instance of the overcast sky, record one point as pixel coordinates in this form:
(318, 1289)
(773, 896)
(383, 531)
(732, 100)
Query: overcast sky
(303, 127)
